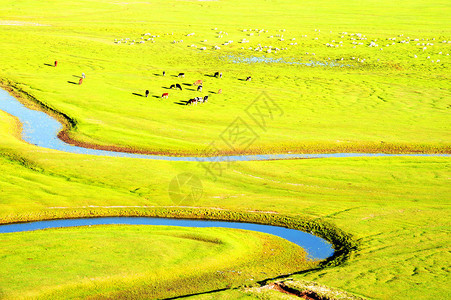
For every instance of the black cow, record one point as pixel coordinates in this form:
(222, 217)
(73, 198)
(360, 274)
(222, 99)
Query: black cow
(147, 93)
(164, 73)
(181, 75)
(249, 78)
(172, 86)
(218, 75)
(199, 88)
(205, 99)
(191, 101)
(178, 86)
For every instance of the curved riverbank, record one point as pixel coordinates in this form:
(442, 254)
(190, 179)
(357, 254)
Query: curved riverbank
(343, 243)
(51, 130)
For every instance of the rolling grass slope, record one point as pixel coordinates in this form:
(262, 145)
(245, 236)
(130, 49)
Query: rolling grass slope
(397, 208)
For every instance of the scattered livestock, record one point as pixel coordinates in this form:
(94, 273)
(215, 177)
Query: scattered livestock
(198, 82)
(218, 75)
(80, 81)
(199, 88)
(164, 73)
(147, 93)
(56, 63)
(181, 75)
(165, 95)
(178, 86)
(83, 75)
(172, 86)
(249, 78)
(220, 91)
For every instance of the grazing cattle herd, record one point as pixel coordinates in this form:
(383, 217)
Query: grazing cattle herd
(199, 83)
(193, 101)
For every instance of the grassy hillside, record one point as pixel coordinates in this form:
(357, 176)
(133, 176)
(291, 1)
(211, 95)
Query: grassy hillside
(371, 100)
(164, 261)
(363, 99)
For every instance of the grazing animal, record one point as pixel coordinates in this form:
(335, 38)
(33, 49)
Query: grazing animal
(191, 101)
(218, 75)
(198, 82)
(172, 86)
(147, 93)
(178, 86)
(249, 78)
(164, 73)
(205, 99)
(181, 75)
(165, 95)
(80, 81)
(199, 88)
(220, 91)
(56, 63)
(83, 75)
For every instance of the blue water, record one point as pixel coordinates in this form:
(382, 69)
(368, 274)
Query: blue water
(41, 130)
(317, 248)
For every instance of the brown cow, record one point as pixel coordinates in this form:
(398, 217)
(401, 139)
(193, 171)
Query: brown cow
(165, 95)
(198, 82)
(80, 81)
(220, 91)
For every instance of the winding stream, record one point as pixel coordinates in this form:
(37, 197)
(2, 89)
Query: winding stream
(42, 130)
(317, 248)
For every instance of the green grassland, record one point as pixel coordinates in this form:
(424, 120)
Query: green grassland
(163, 261)
(390, 102)
(396, 208)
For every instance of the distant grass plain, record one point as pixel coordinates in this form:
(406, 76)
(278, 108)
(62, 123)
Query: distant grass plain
(397, 208)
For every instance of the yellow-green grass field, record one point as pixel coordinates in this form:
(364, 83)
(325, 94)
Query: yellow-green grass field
(396, 208)
(163, 261)
(391, 102)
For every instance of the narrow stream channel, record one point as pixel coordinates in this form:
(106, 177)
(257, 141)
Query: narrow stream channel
(316, 247)
(42, 130)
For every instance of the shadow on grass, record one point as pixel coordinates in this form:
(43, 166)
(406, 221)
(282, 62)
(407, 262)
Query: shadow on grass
(72, 82)
(136, 94)
(49, 65)
(76, 76)
(181, 102)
